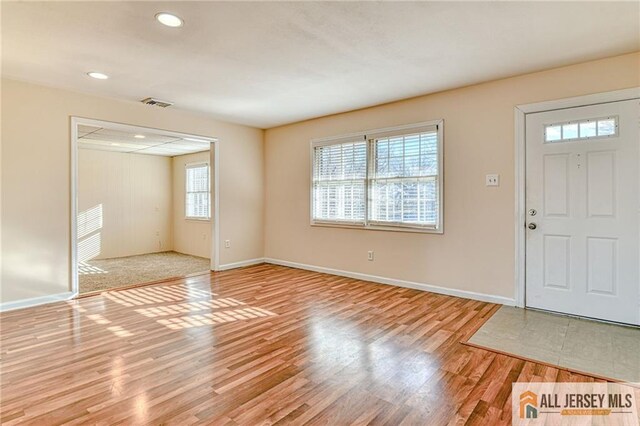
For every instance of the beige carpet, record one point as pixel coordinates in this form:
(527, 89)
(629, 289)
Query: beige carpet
(95, 275)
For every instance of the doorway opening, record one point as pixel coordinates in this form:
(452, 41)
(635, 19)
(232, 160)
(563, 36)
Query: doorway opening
(578, 194)
(144, 205)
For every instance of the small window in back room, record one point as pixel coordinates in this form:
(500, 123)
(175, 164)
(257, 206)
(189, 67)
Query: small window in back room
(197, 194)
(582, 129)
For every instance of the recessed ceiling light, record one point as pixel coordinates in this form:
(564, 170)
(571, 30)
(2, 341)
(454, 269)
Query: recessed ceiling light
(97, 75)
(169, 19)
(139, 136)
(115, 144)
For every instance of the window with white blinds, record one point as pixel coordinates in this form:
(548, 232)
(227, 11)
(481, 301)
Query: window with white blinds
(339, 180)
(404, 179)
(390, 178)
(198, 194)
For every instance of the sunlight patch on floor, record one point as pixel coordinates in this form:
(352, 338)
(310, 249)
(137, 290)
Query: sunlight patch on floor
(183, 308)
(157, 294)
(215, 318)
(85, 269)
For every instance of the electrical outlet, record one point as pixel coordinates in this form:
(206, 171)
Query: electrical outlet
(227, 243)
(370, 255)
(493, 180)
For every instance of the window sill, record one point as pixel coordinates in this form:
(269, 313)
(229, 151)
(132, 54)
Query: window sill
(408, 228)
(197, 219)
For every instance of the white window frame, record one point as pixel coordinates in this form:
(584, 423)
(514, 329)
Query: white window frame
(186, 190)
(579, 122)
(328, 142)
(369, 136)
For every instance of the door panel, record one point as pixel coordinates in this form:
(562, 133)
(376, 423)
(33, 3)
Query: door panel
(602, 264)
(583, 257)
(601, 185)
(556, 185)
(557, 252)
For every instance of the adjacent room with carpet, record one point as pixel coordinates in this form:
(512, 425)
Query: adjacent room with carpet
(144, 206)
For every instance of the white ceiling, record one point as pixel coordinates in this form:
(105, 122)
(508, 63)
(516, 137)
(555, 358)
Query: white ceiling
(270, 63)
(106, 139)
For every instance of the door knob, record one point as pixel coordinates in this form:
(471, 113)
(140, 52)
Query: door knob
(532, 226)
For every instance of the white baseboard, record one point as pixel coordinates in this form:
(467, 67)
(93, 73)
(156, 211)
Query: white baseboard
(400, 283)
(241, 264)
(35, 301)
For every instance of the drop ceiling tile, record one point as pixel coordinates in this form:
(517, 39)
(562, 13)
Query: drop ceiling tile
(115, 139)
(106, 139)
(128, 136)
(90, 143)
(121, 149)
(193, 145)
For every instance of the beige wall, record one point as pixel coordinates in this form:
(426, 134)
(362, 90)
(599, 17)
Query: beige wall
(141, 199)
(124, 204)
(190, 236)
(476, 251)
(36, 173)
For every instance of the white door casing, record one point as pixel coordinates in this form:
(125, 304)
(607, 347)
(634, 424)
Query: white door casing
(584, 256)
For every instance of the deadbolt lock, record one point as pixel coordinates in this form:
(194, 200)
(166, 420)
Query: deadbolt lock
(532, 212)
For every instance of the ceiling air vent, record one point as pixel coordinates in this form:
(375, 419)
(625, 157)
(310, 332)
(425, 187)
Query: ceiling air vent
(156, 102)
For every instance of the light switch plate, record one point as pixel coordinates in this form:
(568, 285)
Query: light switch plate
(493, 180)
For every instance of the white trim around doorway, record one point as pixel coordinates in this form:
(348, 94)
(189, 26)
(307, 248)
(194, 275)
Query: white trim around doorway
(521, 112)
(214, 161)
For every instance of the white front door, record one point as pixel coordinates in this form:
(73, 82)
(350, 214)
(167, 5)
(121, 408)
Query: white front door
(583, 186)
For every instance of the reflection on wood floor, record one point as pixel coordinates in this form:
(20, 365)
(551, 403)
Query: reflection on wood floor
(263, 344)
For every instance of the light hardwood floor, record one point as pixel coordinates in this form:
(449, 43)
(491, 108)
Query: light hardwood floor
(259, 345)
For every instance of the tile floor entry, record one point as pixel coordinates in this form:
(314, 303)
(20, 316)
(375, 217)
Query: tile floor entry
(585, 346)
